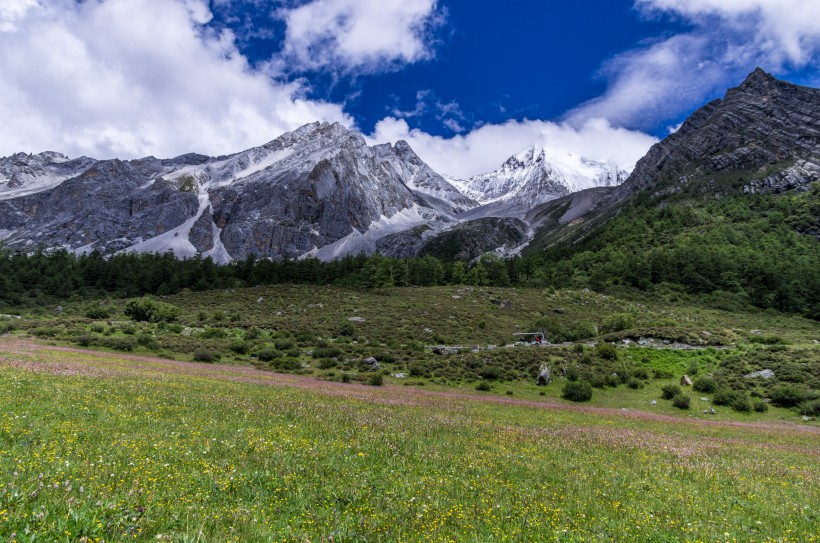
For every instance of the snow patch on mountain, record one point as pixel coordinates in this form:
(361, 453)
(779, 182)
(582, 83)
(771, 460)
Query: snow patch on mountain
(537, 175)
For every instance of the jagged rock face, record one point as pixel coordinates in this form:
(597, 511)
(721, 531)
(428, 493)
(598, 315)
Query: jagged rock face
(23, 174)
(764, 122)
(306, 190)
(472, 239)
(536, 175)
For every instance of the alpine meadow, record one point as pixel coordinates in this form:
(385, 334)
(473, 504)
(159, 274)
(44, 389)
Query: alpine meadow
(356, 332)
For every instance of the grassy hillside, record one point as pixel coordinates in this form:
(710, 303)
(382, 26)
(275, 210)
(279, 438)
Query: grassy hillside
(626, 347)
(101, 448)
(703, 237)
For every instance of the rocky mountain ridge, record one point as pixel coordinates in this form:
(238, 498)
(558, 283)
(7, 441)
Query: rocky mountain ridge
(319, 191)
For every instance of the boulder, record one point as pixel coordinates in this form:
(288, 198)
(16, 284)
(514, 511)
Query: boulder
(763, 374)
(685, 381)
(372, 363)
(544, 376)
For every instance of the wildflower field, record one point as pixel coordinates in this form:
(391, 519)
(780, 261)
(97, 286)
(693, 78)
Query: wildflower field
(113, 447)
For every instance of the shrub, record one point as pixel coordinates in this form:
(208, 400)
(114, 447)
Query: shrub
(681, 401)
(704, 384)
(634, 383)
(326, 352)
(670, 391)
(742, 405)
(489, 372)
(97, 327)
(483, 386)
(787, 396)
(84, 341)
(327, 363)
(283, 344)
(727, 397)
(240, 347)
(267, 354)
(573, 373)
(98, 312)
(376, 380)
(640, 373)
(760, 406)
(120, 343)
(206, 355)
(150, 310)
(607, 351)
(616, 322)
(810, 408)
(612, 380)
(577, 391)
(251, 333)
(345, 378)
(213, 333)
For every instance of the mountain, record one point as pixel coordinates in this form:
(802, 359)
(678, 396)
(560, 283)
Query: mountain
(727, 207)
(763, 137)
(318, 191)
(537, 175)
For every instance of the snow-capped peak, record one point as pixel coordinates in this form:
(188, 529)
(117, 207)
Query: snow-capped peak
(537, 175)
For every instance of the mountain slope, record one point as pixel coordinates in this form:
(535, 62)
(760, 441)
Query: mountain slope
(728, 207)
(319, 190)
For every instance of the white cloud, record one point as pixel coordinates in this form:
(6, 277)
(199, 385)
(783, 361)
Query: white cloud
(129, 78)
(486, 148)
(728, 40)
(361, 36)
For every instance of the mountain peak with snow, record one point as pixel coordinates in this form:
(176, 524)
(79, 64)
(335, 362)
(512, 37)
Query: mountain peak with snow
(537, 175)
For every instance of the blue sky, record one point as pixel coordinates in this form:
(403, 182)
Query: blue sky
(466, 83)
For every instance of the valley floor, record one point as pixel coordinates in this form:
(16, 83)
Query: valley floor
(98, 446)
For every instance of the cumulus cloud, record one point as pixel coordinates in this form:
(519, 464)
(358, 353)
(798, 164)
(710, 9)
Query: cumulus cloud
(130, 78)
(484, 149)
(729, 38)
(360, 36)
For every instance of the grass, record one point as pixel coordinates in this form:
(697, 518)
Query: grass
(329, 331)
(96, 448)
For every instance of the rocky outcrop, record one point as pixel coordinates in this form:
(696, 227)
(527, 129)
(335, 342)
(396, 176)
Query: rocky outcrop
(762, 123)
(472, 239)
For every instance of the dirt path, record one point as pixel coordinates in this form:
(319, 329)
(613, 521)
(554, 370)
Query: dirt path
(101, 363)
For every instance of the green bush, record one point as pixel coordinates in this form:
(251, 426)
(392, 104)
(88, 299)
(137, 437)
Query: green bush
(681, 401)
(743, 405)
(327, 363)
(634, 383)
(616, 322)
(252, 333)
(810, 408)
(84, 341)
(760, 406)
(98, 312)
(670, 391)
(240, 347)
(213, 333)
(267, 354)
(206, 355)
(606, 351)
(376, 380)
(120, 343)
(577, 391)
(150, 310)
(484, 386)
(788, 396)
(489, 372)
(283, 344)
(705, 384)
(728, 397)
(326, 352)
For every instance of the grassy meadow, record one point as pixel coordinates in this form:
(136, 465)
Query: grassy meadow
(247, 415)
(104, 448)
